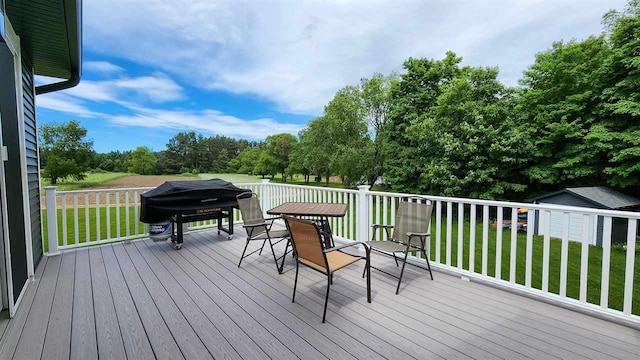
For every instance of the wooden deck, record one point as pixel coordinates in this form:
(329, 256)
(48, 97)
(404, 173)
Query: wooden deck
(144, 300)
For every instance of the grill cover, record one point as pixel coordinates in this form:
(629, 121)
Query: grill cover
(186, 197)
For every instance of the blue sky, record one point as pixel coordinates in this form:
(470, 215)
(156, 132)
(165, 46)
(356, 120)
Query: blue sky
(248, 69)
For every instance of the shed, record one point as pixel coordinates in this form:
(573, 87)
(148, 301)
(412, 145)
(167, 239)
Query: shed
(594, 197)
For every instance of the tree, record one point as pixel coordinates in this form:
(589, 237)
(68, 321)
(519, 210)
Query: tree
(245, 162)
(619, 133)
(65, 151)
(277, 148)
(411, 97)
(345, 133)
(468, 142)
(561, 103)
(142, 161)
(376, 100)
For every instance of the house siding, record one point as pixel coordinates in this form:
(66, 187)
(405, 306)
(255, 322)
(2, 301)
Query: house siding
(13, 171)
(31, 152)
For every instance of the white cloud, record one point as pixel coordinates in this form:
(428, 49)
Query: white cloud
(298, 53)
(102, 67)
(59, 101)
(206, 121)
(158, 88)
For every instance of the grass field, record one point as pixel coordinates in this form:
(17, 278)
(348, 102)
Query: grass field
(92, 179)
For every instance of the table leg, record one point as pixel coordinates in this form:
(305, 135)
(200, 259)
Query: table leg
(325, 229)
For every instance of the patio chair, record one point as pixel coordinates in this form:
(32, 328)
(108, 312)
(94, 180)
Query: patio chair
(308, 249)
(410, 233)
(258, 228)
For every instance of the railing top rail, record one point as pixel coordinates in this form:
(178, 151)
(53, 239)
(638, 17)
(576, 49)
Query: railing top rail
(534, 206)
(350, 191)
(102, 190)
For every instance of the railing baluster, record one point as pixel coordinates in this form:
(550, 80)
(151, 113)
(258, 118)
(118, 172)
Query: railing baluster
(64, 220)
(448, 232)
(584, 256)
(117, 194)
(499, 228)
(87, 220)
(531, 223)
(126, 213)
(606, 262)
(98, 232)
(632, 228)
(564, 253)
(135, 212)
(438, 229)
(545, 251)
(76, 226)
(514, 245)
(472, 238)
(107, 205)
(460, 234)
(485, 239)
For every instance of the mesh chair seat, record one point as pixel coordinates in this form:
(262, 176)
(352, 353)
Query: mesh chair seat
(273, 234)
(258, 228)
(410, 233)
(307, 244)
(337, 260)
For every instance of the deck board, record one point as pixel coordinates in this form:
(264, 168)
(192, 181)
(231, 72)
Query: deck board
(110, 343)
(136, 342)
(233, 333)
(57, 340)
(210, 336)
(12, 334)
(84, 344)
(160, 337)
(145, 300)
(33, 333)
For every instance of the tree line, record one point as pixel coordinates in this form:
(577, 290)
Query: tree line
(446, 129)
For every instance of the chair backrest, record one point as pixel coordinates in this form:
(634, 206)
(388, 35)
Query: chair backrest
(306, 240)
(251, 212)
(414, 215)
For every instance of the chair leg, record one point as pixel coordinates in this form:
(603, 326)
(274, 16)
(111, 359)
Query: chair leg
(331, 278)
(243, 251)
(262, 247)
(295, 283)
(275, 259)
(395, 258)
(284, 256)
(428, 265)
(406, 253)
(368, 269)
(326, 299)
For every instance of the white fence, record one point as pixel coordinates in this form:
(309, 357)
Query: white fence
(477, 239)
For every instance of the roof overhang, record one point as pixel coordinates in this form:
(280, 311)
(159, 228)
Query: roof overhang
(50, 32)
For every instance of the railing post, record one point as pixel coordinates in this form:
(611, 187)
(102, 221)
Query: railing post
(362, 216)
(52, 220)
(265, 197)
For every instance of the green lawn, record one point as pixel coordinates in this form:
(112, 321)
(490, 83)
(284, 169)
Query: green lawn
(92, 179)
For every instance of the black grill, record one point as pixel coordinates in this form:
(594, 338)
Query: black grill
(188, 201)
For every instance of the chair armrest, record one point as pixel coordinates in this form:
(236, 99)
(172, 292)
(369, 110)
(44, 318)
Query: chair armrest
(255, 225)
(418, 234)
(366, 248)
(273, 218)
(378, 226)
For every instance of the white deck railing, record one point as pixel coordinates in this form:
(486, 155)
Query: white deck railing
(548, 255)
